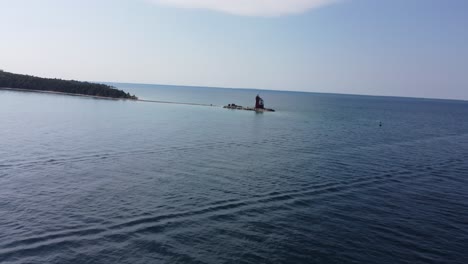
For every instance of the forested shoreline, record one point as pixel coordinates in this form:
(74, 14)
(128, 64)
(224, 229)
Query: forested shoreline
(33, 83)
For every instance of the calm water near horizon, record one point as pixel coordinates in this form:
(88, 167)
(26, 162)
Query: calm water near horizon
(319, 181)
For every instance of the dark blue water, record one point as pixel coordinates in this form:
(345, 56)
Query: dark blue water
(319, 181)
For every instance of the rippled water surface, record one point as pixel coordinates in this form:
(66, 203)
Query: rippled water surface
(319, 181)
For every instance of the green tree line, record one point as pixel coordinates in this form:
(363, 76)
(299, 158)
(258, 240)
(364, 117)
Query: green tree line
(27, 82)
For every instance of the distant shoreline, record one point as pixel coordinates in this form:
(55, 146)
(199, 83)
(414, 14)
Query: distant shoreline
(101, 97)
(64, 93)
(69, 87)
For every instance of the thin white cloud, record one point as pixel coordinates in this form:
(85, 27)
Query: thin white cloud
(250, 7)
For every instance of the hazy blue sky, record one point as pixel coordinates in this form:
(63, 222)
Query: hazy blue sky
(395, 47)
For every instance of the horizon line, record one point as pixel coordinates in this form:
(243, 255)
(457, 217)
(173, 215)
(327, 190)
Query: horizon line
(262, 89)
(293, 91)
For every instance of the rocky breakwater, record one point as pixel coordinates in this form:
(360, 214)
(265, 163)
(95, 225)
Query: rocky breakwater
(238, 107)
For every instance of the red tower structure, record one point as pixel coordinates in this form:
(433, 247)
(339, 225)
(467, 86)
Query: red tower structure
(259, 102)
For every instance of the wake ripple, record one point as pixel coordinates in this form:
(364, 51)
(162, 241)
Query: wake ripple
(228, 207)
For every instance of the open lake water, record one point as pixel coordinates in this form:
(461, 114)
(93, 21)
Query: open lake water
(85, 180)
